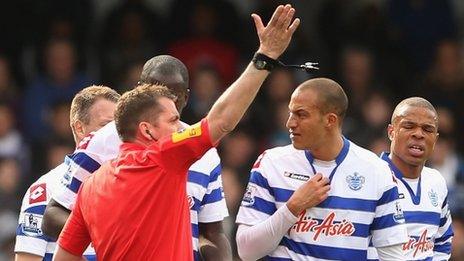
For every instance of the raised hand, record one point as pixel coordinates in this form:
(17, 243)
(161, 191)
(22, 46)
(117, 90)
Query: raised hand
(310, 194)
(276, 35)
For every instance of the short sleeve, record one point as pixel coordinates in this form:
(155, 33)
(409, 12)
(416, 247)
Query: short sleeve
(388, 227)
(75, 236)
(182, 149)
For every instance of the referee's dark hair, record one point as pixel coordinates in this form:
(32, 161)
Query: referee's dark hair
(137, 105)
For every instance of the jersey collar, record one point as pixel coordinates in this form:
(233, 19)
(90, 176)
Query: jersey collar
(398, 174)
(338, 160)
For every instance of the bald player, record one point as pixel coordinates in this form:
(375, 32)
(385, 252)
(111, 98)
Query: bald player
(413, 132)
(322, 197)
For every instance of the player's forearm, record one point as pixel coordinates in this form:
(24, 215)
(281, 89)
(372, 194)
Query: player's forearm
(233, 103)
(63, 255)
(55, 217)
(215, 247)
(21, 256)
(254, 242)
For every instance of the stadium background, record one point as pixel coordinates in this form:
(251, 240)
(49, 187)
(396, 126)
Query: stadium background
(381, 51)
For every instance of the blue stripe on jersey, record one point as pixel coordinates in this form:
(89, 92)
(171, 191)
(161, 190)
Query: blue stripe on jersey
(281, 195)
(388, 196)
(39, 210)
(335, 202)
(383, 222)
(444, 202)
(91, 257)
(444, 248)
(48, 257)
(264, 206)
(196, 255)
(258, 179)
(324, 252)
(195, 231)
(443, 221)
(85, 162)
(198, 178)
(271, 258)
(214, 175)
(196, 205)
(74, 185)
(214, 196)
(422, 217)
(449, 233)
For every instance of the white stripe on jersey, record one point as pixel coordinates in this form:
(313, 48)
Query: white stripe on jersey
(362, 202)
(204, 186)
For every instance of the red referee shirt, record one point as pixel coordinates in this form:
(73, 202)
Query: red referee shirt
(135, 207)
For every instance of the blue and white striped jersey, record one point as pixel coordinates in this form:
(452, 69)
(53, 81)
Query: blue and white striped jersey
(29, 236)
(204, 187)
(362, 203)
(427, 215)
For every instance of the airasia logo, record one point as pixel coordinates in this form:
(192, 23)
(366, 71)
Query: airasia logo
(328, 226)
(420, 245)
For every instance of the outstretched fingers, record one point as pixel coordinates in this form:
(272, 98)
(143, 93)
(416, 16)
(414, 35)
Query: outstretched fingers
(258, 23)
(275, 17)
(288, 17)
(292, 28)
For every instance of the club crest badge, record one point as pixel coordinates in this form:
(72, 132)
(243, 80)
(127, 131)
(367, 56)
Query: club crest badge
(355, 181)
(433, 197)
(249, 197)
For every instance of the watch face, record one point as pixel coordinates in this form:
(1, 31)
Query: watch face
(260, 64)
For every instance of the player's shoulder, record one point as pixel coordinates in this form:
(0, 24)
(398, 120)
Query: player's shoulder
(39, 192)
(52, 177)
(434, 177)
(207, 163)
(365, 156)
(282, 153)
(102, 137)
(102, 144)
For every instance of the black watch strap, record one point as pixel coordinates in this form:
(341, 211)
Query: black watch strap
(264, 62)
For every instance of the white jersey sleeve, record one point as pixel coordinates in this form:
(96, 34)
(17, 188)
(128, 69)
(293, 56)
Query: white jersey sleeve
(258, 203)
(206, 173)
(29, 236)
(388, 227)
(444, 236)
(205, 194)
(92, 152)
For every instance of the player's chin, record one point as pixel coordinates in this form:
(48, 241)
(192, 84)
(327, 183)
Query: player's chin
(297, 145)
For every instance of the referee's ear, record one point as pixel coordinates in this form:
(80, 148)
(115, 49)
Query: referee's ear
(146, 130)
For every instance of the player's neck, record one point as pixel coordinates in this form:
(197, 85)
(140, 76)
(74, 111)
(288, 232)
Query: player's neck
(409, 171)
(329, 149)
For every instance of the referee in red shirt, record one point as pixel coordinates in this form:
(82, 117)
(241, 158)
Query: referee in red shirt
(135, 207)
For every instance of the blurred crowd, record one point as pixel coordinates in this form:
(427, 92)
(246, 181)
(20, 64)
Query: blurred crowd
(379, 51)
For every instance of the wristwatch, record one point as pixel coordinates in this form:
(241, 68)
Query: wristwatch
(264, 62)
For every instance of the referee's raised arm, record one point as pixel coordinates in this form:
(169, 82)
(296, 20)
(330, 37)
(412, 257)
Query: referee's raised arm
(274, 38)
